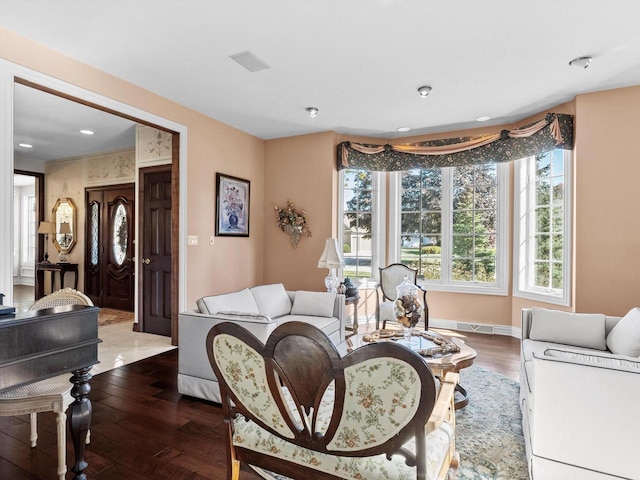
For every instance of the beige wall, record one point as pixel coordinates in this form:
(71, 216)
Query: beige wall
(608, 210)
(301, 169)
(211, 147)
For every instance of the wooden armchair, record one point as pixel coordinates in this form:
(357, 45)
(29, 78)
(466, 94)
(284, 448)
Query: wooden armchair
(296, 408)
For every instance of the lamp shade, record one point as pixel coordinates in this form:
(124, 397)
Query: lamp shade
(65, 227)
(47, 227)
(331, 256)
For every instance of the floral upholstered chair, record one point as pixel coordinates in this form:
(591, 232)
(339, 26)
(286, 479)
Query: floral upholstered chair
(296, 408)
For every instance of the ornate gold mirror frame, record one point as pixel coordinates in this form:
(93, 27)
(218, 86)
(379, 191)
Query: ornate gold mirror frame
(64, 216)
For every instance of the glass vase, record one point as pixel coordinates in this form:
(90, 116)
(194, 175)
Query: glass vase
(407, 309)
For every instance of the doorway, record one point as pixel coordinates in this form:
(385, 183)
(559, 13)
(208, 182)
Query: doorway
(28, 192)
(156, 264)
(109, 265)
(77, 95)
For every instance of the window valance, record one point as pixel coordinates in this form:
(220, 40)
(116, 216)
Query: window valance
(554, 131)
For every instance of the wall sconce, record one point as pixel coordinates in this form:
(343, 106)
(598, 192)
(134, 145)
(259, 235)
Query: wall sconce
(46, 228)
(331, 258)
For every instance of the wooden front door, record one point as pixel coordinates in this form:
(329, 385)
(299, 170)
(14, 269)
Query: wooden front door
(109, 266)
(155, 263)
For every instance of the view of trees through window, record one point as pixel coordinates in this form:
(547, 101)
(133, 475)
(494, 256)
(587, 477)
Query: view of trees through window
(548, 223)
(357, 230)
(466, 222)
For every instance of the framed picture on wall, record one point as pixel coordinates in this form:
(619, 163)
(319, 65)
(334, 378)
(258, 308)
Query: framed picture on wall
(232, 206)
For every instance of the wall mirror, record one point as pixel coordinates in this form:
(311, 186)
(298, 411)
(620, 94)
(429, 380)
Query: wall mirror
(64, 216)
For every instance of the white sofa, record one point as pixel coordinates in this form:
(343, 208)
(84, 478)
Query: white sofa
(579, 393)
(260, 310)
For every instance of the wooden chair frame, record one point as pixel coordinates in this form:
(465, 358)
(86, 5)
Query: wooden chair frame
(387, 292)
(301, 358)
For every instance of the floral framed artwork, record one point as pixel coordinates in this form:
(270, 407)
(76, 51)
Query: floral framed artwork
(232, 206)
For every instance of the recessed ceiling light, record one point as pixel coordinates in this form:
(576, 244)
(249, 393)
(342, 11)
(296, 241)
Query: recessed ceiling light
(581, 62)
(313, 112)
(403, 129)
(483, 118)
(87, 132)
(424, 91)
(25, 145)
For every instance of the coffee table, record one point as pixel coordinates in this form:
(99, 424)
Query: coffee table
(440, 364)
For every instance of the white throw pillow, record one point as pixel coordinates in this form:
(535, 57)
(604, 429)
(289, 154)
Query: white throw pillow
(578, 329)
(624, 338)
(317, 304)
(272, 300)
(241, 300)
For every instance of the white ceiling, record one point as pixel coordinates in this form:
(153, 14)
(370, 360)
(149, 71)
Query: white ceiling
(359, 61)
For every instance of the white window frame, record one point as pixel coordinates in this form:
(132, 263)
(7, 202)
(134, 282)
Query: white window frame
(524, 199)
(378, 214)
(445, 284)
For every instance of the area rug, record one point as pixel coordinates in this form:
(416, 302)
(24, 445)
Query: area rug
(109, 316)
(488, 430)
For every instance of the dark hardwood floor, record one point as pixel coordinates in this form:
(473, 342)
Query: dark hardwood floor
(143, 429)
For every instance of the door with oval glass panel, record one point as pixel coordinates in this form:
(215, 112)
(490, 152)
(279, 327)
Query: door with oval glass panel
(109, 266)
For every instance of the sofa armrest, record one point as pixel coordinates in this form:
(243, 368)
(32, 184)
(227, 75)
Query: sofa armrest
(193, 328)
(584, 415)
(526, 323)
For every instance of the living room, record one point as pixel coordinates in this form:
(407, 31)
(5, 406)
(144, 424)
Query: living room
(604, 275)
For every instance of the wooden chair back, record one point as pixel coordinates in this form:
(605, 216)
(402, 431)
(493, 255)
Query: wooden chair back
(392, 276)
(297, 387)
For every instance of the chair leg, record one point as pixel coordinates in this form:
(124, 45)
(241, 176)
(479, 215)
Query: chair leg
(33, 421)
(62, 444)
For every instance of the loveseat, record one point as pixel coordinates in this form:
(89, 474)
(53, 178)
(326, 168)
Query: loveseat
(260, 310)
(579, 391)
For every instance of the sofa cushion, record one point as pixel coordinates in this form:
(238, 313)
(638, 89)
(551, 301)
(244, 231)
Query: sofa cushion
(598, 359)
(241, 300)
(245, 317)
(579, 329)
(318, 304)
(272, 300)
(624, 338)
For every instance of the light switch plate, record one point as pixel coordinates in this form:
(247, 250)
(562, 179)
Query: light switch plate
(212, 240)
(192, 240)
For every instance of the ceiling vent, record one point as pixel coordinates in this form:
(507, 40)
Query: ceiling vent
(249, 61)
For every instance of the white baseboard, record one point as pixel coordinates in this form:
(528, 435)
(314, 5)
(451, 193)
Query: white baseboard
(487, 329)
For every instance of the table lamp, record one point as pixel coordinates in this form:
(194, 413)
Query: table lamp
(331, 258)
(65, 229)
(46, 228)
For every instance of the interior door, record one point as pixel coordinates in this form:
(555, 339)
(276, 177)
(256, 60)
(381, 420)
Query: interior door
(156, 250)
(109, 271)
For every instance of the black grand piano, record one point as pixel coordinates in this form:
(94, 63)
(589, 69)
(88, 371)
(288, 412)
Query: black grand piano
(41, 344)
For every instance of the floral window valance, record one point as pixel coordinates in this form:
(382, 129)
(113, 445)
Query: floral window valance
(554, 131)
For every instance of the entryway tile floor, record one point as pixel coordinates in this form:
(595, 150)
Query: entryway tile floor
(121, 346)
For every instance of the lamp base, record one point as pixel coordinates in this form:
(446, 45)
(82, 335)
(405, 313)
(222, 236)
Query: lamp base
(46, 259)
(331, 281)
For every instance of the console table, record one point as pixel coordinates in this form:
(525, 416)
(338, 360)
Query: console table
(53, 268)
(40, 344)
